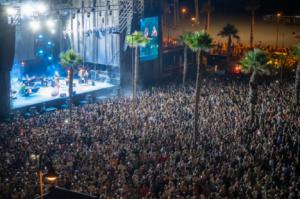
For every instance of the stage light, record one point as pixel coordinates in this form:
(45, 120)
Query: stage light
(41, 52)
(41, 8)
(11, 11)
(50, 58)
(40, 36)
(52, 31)
(35, 25)
(50, 23)
(27, 10)
(49, 43)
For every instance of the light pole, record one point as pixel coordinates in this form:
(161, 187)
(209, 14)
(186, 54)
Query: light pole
(51, 176)
(278, 16)
(183, 12)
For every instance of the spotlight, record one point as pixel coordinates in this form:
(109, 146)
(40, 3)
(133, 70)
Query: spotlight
(35, 25)
(50, 23)
(49, 43)
(52, 31)
(11, 11)
(50, 58)
(40, 36)
(41, 8)
(27, 10)
(41, 52)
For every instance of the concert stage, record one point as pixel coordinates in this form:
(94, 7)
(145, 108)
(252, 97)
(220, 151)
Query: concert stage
(45, 93)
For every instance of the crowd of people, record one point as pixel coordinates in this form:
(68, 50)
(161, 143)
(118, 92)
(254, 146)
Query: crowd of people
(109, 152)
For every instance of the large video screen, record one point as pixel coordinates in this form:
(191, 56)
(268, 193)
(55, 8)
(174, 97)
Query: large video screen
(149, 26)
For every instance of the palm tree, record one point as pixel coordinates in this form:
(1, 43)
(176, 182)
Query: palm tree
(199, 42)
(70, 59)
(185, 38)
(252, 6)
(255, 63)
(135, 41)
(296, 54)
(229, 31)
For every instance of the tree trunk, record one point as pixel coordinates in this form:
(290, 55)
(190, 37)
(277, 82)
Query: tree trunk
(229, 49)
(184, 64)
(208, 16)
(252, 28)
(71, 76)
(297, 84)
(198, 83)
(197, 11)
(135, 79)
(136, 71)
(252, 95)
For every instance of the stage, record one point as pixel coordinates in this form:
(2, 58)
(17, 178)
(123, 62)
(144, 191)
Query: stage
(45, 93)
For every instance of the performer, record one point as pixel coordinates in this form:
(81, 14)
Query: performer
(81, 75)
(86, 76)
(154, 32)
(55, 91)
(146, 32)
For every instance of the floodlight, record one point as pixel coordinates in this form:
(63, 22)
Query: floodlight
(50, 23)
(11, 11)
(27, 10)
(41, 8)
(35, 25)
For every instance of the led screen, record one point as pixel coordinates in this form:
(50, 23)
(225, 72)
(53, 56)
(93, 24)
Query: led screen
(149, 26)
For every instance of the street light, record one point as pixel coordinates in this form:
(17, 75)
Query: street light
(278, 16)
(194, 20)
(51, 176)
(183, 11)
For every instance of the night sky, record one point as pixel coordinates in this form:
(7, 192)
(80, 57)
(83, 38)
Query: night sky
(288, 7)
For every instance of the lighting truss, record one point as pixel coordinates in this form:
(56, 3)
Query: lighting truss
(125, 8)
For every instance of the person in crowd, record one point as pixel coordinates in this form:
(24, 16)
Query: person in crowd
(101, 153)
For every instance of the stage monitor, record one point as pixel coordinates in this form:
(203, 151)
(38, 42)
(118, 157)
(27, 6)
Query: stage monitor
(150, 28)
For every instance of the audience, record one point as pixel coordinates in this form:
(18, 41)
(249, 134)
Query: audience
(103, 153)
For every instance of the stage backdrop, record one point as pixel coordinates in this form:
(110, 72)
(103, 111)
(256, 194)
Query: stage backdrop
(94, 34)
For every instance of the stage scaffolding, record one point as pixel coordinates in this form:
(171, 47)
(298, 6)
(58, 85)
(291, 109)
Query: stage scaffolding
(94, 27)
(90, 27)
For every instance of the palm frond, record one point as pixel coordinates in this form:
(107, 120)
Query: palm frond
(296, 51)
(70, 58)
(255, 61)
(137, 39)
(229, 30)
(199, 41)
